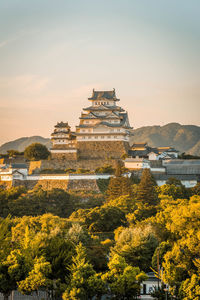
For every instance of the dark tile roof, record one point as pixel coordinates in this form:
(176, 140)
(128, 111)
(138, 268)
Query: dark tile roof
(61, 132)
(177, 176)
(135, 145)
(62, 124)
(18, 166)
(140, 153)
(97, 95)
(104, 107)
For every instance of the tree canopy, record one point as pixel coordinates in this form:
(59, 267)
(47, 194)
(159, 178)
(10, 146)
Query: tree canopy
(36, 151)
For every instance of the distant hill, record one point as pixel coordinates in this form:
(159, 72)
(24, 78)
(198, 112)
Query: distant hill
(22, 143)
(185, 138)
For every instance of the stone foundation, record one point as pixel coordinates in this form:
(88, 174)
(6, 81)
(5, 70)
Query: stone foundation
(91, 164)
(104, 150)
(84, 184)
(64, 156)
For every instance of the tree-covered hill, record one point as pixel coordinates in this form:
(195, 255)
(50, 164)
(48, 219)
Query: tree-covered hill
(21, 143)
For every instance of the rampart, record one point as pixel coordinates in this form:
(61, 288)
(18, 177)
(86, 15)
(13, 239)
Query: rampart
(103, 150)
(36, 167)
(62, 181)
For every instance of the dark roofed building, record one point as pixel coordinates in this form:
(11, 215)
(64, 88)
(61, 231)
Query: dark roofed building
(99, 95)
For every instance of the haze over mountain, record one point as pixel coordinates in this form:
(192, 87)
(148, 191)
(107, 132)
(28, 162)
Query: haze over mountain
(21, 143)
(185, 138)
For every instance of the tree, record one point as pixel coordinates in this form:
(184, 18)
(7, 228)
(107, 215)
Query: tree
(84, 282)
(136, 245)
(36, 151)
(37, 278)
(146, 193)
(119, 185)
(12, 270)
(123, 280)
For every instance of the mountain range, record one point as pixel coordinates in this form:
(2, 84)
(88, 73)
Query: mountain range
(185, 138)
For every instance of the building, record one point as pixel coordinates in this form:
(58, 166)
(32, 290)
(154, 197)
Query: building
(142, 150)
(104, 128)
(149, 285)
(13, 171)
(103, 131)
(64, 142)
(185, 170)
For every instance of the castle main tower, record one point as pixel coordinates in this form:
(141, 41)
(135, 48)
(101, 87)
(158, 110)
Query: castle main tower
(104, 128)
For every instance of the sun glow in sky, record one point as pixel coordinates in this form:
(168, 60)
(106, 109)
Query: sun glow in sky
(53, 53)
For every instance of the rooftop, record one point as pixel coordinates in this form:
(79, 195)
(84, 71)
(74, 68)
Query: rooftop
(109, 95)
(18, 166)
(62, 125)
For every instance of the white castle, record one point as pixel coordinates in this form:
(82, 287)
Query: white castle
(103, 129)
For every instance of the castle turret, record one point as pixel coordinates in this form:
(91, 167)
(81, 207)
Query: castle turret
(63, 141)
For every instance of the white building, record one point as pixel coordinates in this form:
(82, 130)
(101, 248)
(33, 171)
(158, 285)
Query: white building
(103, 120)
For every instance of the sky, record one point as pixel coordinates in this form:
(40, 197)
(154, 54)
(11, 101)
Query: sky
(53, 53)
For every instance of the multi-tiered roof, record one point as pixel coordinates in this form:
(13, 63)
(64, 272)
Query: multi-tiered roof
(103, 120)
(62, 137)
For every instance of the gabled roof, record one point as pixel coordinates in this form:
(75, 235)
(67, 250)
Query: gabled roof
(139, 145)
(98, 95)
(103, 107)
(16, 171)
(62, 125)
(61, 132)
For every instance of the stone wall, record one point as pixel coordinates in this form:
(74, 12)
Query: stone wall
(63, 156)
(83, 184)
(100, 149)
(35, 166)
(91, 164)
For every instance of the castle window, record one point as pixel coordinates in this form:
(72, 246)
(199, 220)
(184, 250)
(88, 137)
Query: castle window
(102, 136)
(96, 137)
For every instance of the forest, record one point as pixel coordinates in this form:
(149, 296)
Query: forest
(80, 244)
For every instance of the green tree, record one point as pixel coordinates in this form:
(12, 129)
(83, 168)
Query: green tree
(122, 279)
(136, 245)
(146, 193)
(37, 278)
(36, 151)
(12, 270)
(119, 185)
(84, 282)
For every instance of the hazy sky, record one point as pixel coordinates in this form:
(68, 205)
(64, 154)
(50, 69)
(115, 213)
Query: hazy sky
(53, 53)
